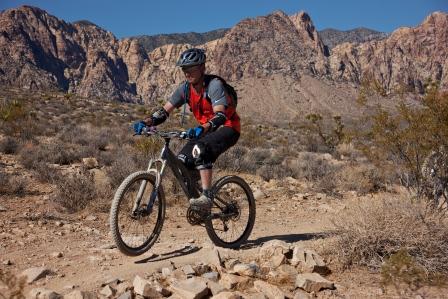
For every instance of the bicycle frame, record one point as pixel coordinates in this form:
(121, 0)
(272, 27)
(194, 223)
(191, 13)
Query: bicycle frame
(181, 173)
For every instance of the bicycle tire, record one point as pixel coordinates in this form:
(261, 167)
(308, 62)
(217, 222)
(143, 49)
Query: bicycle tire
(116, 213)
(249, 197)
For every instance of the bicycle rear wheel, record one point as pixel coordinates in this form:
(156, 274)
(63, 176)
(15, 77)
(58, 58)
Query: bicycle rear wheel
(136, 228)
(233, 212)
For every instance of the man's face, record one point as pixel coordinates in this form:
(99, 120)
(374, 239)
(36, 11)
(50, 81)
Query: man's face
(194, 73)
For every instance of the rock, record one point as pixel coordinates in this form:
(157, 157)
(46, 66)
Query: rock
(188, 270)
(191, 288)
(215, 288)
(178, 274)
(309, 261)
(274, 247)
(91, 218)
(200, 269)
(77, 294)
(277, 260)
(229, 263)
(7, 262)
(33, 274)
(226, 295)
(313, 282)
(271, 291)
(301, 294)
(40, 293)
(124, 287)
(258, 194)
(161, 289)
(215, 258)
(144, 288)
(246, 269)
(283, 274)
(57, 254)
(213, 276)
(90, 162)
(107, 291)
(166, 271)
(126, 295)
(3, 209)
(231, 281)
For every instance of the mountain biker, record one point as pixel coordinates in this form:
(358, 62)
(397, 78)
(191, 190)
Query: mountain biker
(212, 106)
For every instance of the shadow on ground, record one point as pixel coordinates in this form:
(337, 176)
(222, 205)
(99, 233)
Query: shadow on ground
(290, 238)
(168, 255)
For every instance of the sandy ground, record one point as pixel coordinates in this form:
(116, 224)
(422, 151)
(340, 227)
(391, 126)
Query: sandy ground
(78, 249)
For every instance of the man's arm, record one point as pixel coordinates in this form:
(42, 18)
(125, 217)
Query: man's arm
(160, 115)
(218, 120)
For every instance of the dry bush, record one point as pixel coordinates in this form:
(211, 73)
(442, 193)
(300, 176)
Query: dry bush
(53, 153)
(370, 231)
(44, 172)
(125, 163)
(11, 287)
(311, 166)
(75, 191)
(361, 178)
(9, 145)
(12, 185)
(268, 172)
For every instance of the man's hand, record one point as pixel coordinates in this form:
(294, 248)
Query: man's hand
(194, 133)
(138, 127)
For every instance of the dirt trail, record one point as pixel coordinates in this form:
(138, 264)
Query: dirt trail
(74, 246)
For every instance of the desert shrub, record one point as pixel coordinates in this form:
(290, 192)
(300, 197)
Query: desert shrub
(75, 191)
(311, 166)
(268, 172)
(12, 185)
(12, 110)
(360, 178)
(253, 136)
(127, 162)
(370, 231)
(407, 136)
(9, 145)
(54, 153)
(44, 172)
(401, 269)
(330, 134)
(11, 286)
(234, 159)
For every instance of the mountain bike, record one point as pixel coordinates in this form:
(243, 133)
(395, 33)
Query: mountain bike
(138, 208)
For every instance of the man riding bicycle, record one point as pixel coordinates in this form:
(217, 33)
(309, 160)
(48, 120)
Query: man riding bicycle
(214, 109)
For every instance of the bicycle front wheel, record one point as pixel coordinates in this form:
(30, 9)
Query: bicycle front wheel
(233, 213)
(137, 214)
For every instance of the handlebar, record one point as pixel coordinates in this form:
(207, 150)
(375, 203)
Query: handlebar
(149, 131)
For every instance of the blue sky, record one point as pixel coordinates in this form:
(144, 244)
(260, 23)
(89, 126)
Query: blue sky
(136, 17)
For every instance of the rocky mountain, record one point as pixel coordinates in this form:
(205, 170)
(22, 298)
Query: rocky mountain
(271, 57)
(150, 42)
(333, 37)
(405, 59)
(330, 37)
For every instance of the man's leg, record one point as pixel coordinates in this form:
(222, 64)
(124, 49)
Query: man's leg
(206, 178)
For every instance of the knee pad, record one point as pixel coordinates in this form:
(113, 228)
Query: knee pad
(201, 153)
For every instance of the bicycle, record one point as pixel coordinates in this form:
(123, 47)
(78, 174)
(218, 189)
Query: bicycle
(138, 208)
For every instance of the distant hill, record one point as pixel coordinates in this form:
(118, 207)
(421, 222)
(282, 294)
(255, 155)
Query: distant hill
(150, 42)
(333, 37)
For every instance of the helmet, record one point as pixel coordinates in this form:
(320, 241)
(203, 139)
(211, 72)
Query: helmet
(190, 57)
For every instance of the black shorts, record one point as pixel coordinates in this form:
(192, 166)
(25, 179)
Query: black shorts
(212, 145)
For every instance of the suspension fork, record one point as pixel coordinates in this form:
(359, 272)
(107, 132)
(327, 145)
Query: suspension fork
(152, 168)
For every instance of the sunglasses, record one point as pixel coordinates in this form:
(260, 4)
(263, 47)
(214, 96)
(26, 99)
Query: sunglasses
(190, 69)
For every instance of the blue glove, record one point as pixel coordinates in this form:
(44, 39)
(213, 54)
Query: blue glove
(138, 127)
(194, 133)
